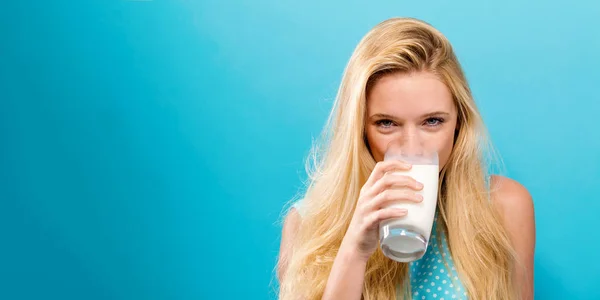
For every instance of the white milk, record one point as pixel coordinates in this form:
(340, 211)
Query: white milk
(420, 215)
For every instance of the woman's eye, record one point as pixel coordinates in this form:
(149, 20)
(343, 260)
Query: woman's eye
(434, 121)
(385, 123)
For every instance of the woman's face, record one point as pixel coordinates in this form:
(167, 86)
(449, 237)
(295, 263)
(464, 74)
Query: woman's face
(412, 110)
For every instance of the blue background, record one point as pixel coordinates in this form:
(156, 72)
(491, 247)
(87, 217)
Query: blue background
(148, 147)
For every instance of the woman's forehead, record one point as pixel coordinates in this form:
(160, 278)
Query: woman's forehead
(409, 95)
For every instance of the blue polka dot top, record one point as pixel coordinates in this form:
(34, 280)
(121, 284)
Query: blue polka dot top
(431, 278)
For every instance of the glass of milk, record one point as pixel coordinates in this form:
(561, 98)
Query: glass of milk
(405, 239)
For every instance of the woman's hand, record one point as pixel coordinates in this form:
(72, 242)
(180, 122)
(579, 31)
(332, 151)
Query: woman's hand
(384, 187)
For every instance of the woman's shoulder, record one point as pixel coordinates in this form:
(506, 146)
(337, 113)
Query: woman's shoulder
(512, 199)
(293, 217)
(516, 207)
(298, 207)
(509, 194)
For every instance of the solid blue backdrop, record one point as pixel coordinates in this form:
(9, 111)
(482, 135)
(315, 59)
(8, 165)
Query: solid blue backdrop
(148, 147)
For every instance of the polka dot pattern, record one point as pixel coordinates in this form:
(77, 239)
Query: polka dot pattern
(430, 278)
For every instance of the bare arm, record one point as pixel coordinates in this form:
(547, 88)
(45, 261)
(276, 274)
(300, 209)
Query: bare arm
(516, 206)
(347, 276)
(290, 227)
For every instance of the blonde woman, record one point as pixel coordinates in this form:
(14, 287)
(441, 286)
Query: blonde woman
(404, 80)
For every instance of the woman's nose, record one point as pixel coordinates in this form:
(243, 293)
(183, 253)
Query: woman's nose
(411, 141)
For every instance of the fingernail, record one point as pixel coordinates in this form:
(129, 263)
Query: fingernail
(420, 197)
(419, 185)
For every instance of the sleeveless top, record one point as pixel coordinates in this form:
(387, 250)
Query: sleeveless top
(432, 277)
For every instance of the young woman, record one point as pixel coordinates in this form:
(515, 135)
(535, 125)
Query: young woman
(403, 81)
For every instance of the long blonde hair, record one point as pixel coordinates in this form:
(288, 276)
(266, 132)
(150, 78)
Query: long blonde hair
(341, 163)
